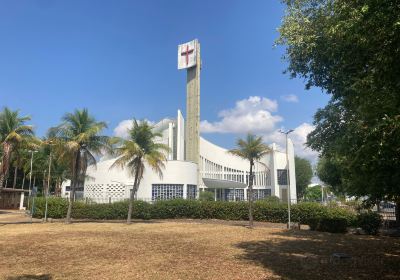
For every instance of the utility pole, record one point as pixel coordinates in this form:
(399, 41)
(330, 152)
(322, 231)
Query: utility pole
(30, 175)
(48, 184)
(287, 173)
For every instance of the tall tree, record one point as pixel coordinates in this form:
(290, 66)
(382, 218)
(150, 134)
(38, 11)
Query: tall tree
(139, 149)
(351, 50)
(252, 149)
(329, 172)
(304, 174)
(13, 130)
(78, 140)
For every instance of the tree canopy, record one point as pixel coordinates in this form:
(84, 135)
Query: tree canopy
(304, 174)
(351, 50)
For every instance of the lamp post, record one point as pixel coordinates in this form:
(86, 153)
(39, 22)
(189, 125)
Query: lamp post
(30, 175)
(48, 182)
(287, 173)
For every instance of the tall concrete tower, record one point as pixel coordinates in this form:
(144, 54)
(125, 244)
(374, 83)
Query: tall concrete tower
(189, 58)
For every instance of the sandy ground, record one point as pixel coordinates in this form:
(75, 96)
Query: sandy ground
(189, 250)
(15, 216)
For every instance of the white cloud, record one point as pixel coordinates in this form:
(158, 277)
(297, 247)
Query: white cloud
(121, 130)
(299, 138)
(258, 115)
(292, 98)
(254, 114)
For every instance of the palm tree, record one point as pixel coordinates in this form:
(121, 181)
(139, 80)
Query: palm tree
(13, 131)
(77, 141)
(251, 149)
(139, 149)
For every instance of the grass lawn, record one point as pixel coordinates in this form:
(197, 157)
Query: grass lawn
(189, 250)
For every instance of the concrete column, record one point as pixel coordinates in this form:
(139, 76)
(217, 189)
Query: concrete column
(185, 191)
(21, 201)
(192, 130)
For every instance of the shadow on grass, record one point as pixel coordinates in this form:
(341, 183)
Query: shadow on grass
(308, 255)
(31, 277)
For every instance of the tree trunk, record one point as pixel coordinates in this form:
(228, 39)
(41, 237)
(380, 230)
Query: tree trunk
(44, 183)
(131, 198)
(397, 213)
(74, 181)
(23, 182)
(251, 195)
(4, 163)
(15, 177)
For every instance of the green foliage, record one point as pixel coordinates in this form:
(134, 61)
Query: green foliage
(13, 133)
(266, 211)
(206, 196)
(272, 199)
(303, 175)
(329, 172)
(252, 148)
(139, 150)
(370, 222)
(329, 44)
(313, 193)
(57, 207)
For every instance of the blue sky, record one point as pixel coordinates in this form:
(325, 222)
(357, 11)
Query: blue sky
(118, 59)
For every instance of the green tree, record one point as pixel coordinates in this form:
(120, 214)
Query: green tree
(77, 140)
(13, 131)
(351, 50)
(304, 174)
(252, 149)
(139, 149)
(313, 193)
(329, 172)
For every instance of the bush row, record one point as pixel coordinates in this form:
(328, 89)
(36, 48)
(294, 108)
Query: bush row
(304, 213)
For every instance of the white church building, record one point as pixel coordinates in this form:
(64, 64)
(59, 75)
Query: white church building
(194, 164)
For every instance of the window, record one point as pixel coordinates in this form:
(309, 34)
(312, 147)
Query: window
(260, 193)
(191, 192)
(166, 191)
(263, 193)
(230, 195)
(282, 177)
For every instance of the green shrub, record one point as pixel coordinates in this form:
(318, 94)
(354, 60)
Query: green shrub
(307, 212)
(270, 212)
(272, 199)
(56, 207)
(317, 216)
(329, 224)
(370, 222)
(206, 196)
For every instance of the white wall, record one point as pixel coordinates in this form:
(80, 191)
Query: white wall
(180, 136)
(116, 183)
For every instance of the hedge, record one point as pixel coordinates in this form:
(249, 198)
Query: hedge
(370, 222)
(304, 213)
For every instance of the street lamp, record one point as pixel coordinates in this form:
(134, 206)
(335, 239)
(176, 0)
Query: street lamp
(30, 174)
(287, 173)
(48, 181)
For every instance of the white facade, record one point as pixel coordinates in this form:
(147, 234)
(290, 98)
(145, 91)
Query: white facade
(219, 172)
(210, 167)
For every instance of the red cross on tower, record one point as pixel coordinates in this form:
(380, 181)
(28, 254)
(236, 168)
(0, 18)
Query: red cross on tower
(186, 53)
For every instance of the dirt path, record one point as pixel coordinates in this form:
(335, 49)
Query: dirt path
(15, 217)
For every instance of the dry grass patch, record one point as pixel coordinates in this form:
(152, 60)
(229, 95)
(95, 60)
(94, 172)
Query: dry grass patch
(179, 250)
